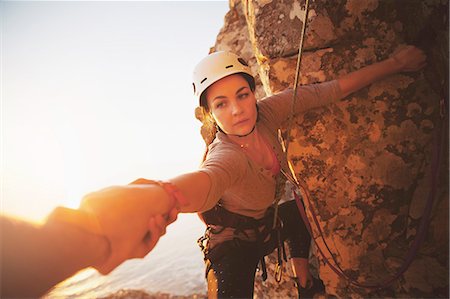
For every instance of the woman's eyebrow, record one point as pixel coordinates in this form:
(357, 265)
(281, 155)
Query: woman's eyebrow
(219, 97)
(240, 89)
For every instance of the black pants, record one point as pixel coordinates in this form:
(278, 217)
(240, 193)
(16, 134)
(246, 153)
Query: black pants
(233, 274)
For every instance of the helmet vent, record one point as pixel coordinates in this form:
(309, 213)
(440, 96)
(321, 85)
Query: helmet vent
(242, 61)
(203, 80)
(228, 66)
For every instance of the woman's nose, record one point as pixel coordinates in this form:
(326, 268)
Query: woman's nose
(236, 108)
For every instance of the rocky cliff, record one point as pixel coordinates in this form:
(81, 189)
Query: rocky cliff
(367, 160)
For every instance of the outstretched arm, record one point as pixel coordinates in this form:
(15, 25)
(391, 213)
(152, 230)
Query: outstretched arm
(406, 59)
(136, 204)
(37, 257)
(194, 186)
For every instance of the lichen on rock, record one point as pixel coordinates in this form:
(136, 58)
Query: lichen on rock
(365, 160)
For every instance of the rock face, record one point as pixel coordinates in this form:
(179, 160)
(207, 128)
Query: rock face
(366, 161)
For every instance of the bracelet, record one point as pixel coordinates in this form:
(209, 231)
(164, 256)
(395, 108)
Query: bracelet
(173, 192)
(177, 197)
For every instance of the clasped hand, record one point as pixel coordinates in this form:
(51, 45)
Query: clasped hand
(131, 217)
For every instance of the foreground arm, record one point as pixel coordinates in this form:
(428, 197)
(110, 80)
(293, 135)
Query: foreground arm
(36, 257)
(123, 213)
(406, 59)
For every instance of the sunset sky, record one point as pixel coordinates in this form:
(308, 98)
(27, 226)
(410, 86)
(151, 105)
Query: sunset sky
(97, 93)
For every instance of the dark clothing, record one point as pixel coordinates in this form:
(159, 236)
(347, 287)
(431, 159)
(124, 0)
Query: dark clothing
(231, 272)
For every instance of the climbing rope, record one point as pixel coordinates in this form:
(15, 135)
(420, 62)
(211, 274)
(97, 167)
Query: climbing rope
(279, 270)
(439, 139)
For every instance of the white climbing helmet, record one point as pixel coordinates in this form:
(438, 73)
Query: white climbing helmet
(216, 66)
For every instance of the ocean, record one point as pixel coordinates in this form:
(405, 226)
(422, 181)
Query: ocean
(175, 266)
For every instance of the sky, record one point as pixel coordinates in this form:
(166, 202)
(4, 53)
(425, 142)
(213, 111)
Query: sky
(95, 94)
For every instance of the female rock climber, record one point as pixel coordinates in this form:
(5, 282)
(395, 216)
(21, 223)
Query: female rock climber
(240, 179)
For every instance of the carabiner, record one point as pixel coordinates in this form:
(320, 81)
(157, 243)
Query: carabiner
(278, 272)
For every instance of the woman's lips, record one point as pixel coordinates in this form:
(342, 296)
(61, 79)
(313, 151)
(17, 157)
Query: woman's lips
(241, 122)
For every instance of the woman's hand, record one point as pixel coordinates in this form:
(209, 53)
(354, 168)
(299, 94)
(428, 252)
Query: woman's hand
(158, 223)
(409, 58)
(157, 228)
(404, 59)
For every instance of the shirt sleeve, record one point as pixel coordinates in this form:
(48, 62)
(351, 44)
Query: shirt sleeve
(278, 107)
(225, 166)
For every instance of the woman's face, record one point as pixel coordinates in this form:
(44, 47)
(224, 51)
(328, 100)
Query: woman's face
(233, 105)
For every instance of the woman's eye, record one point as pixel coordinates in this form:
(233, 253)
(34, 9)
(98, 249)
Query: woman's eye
(220, 105)
(243, 96)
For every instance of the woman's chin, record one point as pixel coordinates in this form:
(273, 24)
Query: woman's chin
(244, 132)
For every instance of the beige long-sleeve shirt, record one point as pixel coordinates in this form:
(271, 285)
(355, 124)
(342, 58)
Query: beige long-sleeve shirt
(241, 185)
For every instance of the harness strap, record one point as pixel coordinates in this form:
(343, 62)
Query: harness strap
(263, 268)
(224, 218)
(218, 215)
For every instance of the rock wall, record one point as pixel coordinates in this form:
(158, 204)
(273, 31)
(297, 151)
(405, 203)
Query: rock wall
(366, 160)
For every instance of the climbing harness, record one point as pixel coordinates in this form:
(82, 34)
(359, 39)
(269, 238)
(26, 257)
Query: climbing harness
(425, 219)
(218, 218)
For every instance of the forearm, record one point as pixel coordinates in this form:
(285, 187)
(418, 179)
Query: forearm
(358, 79)
(35, 258)
(195, 187)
